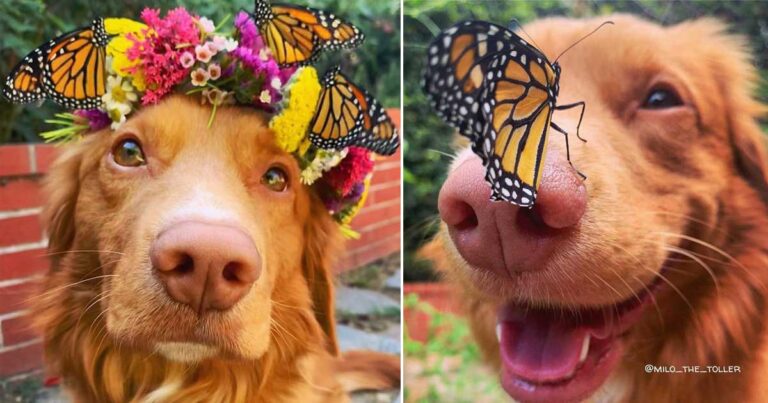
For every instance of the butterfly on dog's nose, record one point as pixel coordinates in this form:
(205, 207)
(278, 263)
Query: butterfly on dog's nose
(500, 92)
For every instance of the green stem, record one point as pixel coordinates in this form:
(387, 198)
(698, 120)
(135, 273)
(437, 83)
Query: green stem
(213, 114)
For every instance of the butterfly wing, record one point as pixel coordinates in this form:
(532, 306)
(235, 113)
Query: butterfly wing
(297, 35)
(348, 115)
(73, 68)
(338, 119)
(495, 89)
(23, 84)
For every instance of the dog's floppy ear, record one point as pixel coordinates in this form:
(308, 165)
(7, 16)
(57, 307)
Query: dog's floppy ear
(322, 249)
(747, 141)
(62, 187)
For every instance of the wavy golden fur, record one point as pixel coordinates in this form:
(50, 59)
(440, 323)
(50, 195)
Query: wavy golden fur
(683, 189)
(101, 313)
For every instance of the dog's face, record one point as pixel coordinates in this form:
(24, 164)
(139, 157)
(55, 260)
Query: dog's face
(669, 127)
(201, 231)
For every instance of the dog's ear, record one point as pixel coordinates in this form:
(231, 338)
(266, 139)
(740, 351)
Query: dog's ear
(323, 245)
(62, 186)
(747, 141)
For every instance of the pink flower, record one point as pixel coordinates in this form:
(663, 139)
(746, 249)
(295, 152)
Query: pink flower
(206, 25)
(187, 60)
(158, 51)
(204, 53)
(199, 77)
(351, 170)
(214, 71)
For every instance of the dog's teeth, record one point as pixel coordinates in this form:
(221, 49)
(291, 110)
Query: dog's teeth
(584, 348)
(498, 332)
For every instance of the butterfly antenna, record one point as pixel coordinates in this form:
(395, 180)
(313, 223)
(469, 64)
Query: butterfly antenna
(582, 38)
(515, 23)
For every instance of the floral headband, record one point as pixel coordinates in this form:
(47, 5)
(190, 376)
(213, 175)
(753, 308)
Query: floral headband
(107, 71)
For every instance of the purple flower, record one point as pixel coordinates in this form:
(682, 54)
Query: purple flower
(97, 119)
(249, 34)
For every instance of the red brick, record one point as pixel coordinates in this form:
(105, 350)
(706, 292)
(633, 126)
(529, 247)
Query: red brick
(373, 213)
(386, 175)
(18, 230)
(45, 154)
(14, 160)
(17, 297)
(17, 330)
(389, 192)
(370, 236)
(19, 360)
(21, 193)
(376, 251)
(23, 264)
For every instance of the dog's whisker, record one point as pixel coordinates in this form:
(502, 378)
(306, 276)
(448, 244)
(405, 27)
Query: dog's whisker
(701, 263)
(66, 252)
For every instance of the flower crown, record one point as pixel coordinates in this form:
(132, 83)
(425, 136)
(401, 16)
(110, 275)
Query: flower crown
(107, 71)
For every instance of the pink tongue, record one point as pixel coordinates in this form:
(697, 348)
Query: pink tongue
(540, 347)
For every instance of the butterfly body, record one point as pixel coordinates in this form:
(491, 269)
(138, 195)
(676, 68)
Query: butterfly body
(500, 92)
(70, 70)
(297, 35)
(347, 115)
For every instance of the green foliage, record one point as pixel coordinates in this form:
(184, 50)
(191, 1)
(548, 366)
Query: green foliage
(28, 23)
(429, 141)
(449, 359)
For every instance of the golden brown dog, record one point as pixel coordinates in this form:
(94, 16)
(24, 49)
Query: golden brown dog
(191, 265)
(659, 258)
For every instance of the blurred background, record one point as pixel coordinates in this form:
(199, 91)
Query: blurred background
(26, 24)
(442, 361)
(428, 140)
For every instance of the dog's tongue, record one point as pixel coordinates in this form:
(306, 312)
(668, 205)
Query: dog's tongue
(541, 346)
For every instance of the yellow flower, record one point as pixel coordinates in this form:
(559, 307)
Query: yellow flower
(291, 125)
(120, 44)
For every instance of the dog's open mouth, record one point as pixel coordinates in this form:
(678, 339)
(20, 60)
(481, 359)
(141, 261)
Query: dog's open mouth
(559, 355)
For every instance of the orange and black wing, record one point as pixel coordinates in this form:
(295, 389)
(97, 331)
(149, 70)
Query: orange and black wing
(296, 35)
(23, 85)
(73, 68)
(70, 70)
(497, 90)
(347, 115)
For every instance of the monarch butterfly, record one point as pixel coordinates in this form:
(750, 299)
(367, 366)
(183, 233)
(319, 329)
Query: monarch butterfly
(68, 69)
(348, 115)
(296, 35)
(499, 91)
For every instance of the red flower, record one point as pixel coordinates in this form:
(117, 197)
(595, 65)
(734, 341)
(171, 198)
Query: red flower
(352, 169)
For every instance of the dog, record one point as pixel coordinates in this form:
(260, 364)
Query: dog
(646, 281)
(190, 264)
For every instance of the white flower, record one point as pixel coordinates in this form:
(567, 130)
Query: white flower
(117, 115)
(206, 25)
(118, 99)
(265, 97)
(221, 43)
(187, 60)
(323, 162)
(276, 83)
(204, 53)
(199, 77)
(264, 54)
(214, 71)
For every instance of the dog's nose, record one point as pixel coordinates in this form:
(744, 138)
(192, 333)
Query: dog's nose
(205, 265)
(500, 236)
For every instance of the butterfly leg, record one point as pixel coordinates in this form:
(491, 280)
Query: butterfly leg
(567, 148)
(583, 106)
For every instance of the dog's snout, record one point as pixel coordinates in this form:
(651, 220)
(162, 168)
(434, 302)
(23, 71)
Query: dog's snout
(205, 265)
(500, 236)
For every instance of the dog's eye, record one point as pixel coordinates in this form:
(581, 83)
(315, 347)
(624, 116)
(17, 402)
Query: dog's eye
(128, 153)
(275, 179)
(660, 98)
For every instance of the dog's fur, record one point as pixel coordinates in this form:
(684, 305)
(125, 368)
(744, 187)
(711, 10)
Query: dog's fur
(103, 312)
(684, 188)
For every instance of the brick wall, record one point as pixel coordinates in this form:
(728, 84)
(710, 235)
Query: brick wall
(22, 241)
